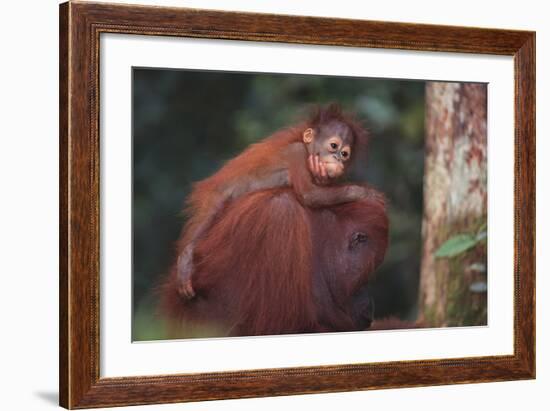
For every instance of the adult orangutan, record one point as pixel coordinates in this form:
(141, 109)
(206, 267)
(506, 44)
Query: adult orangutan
(270, 265)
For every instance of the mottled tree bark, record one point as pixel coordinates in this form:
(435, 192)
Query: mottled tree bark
(455, 202)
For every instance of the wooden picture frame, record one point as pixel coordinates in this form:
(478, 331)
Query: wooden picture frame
(80, 27)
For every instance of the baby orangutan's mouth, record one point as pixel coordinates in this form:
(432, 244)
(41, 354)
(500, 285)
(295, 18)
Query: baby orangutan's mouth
(334, 169)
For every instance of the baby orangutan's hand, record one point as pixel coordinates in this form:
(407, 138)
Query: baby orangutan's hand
(318, 170)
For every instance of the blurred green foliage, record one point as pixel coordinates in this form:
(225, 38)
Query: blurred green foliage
(187, 123)
(460, 243)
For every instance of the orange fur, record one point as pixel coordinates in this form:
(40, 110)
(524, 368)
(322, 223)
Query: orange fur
(260, 160)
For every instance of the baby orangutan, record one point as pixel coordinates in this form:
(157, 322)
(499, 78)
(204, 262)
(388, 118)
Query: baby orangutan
(310, 158)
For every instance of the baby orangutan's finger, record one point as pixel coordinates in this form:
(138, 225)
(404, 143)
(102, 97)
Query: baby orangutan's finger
(323, 178)
(310, 164)
(323, 171)
(317, 168)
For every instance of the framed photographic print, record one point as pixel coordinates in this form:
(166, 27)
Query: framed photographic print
(256, 205)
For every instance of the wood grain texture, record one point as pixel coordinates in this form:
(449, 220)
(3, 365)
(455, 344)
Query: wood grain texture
(80, 27)
(524, 204)
(63, 205)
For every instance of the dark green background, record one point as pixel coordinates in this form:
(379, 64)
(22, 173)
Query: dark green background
(187, 123)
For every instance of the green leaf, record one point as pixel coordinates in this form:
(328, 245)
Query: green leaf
(456, 245)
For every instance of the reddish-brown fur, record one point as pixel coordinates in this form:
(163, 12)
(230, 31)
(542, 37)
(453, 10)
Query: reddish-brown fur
(260, 159)
(269, 265)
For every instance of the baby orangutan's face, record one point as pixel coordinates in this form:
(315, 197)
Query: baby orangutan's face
(332, 147)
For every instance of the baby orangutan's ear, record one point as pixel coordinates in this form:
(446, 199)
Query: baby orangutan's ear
(308, 136)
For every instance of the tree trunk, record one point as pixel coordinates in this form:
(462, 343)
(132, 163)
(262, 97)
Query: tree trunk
(454, 257)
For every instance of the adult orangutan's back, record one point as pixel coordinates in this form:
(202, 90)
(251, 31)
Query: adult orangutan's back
(270, 266)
